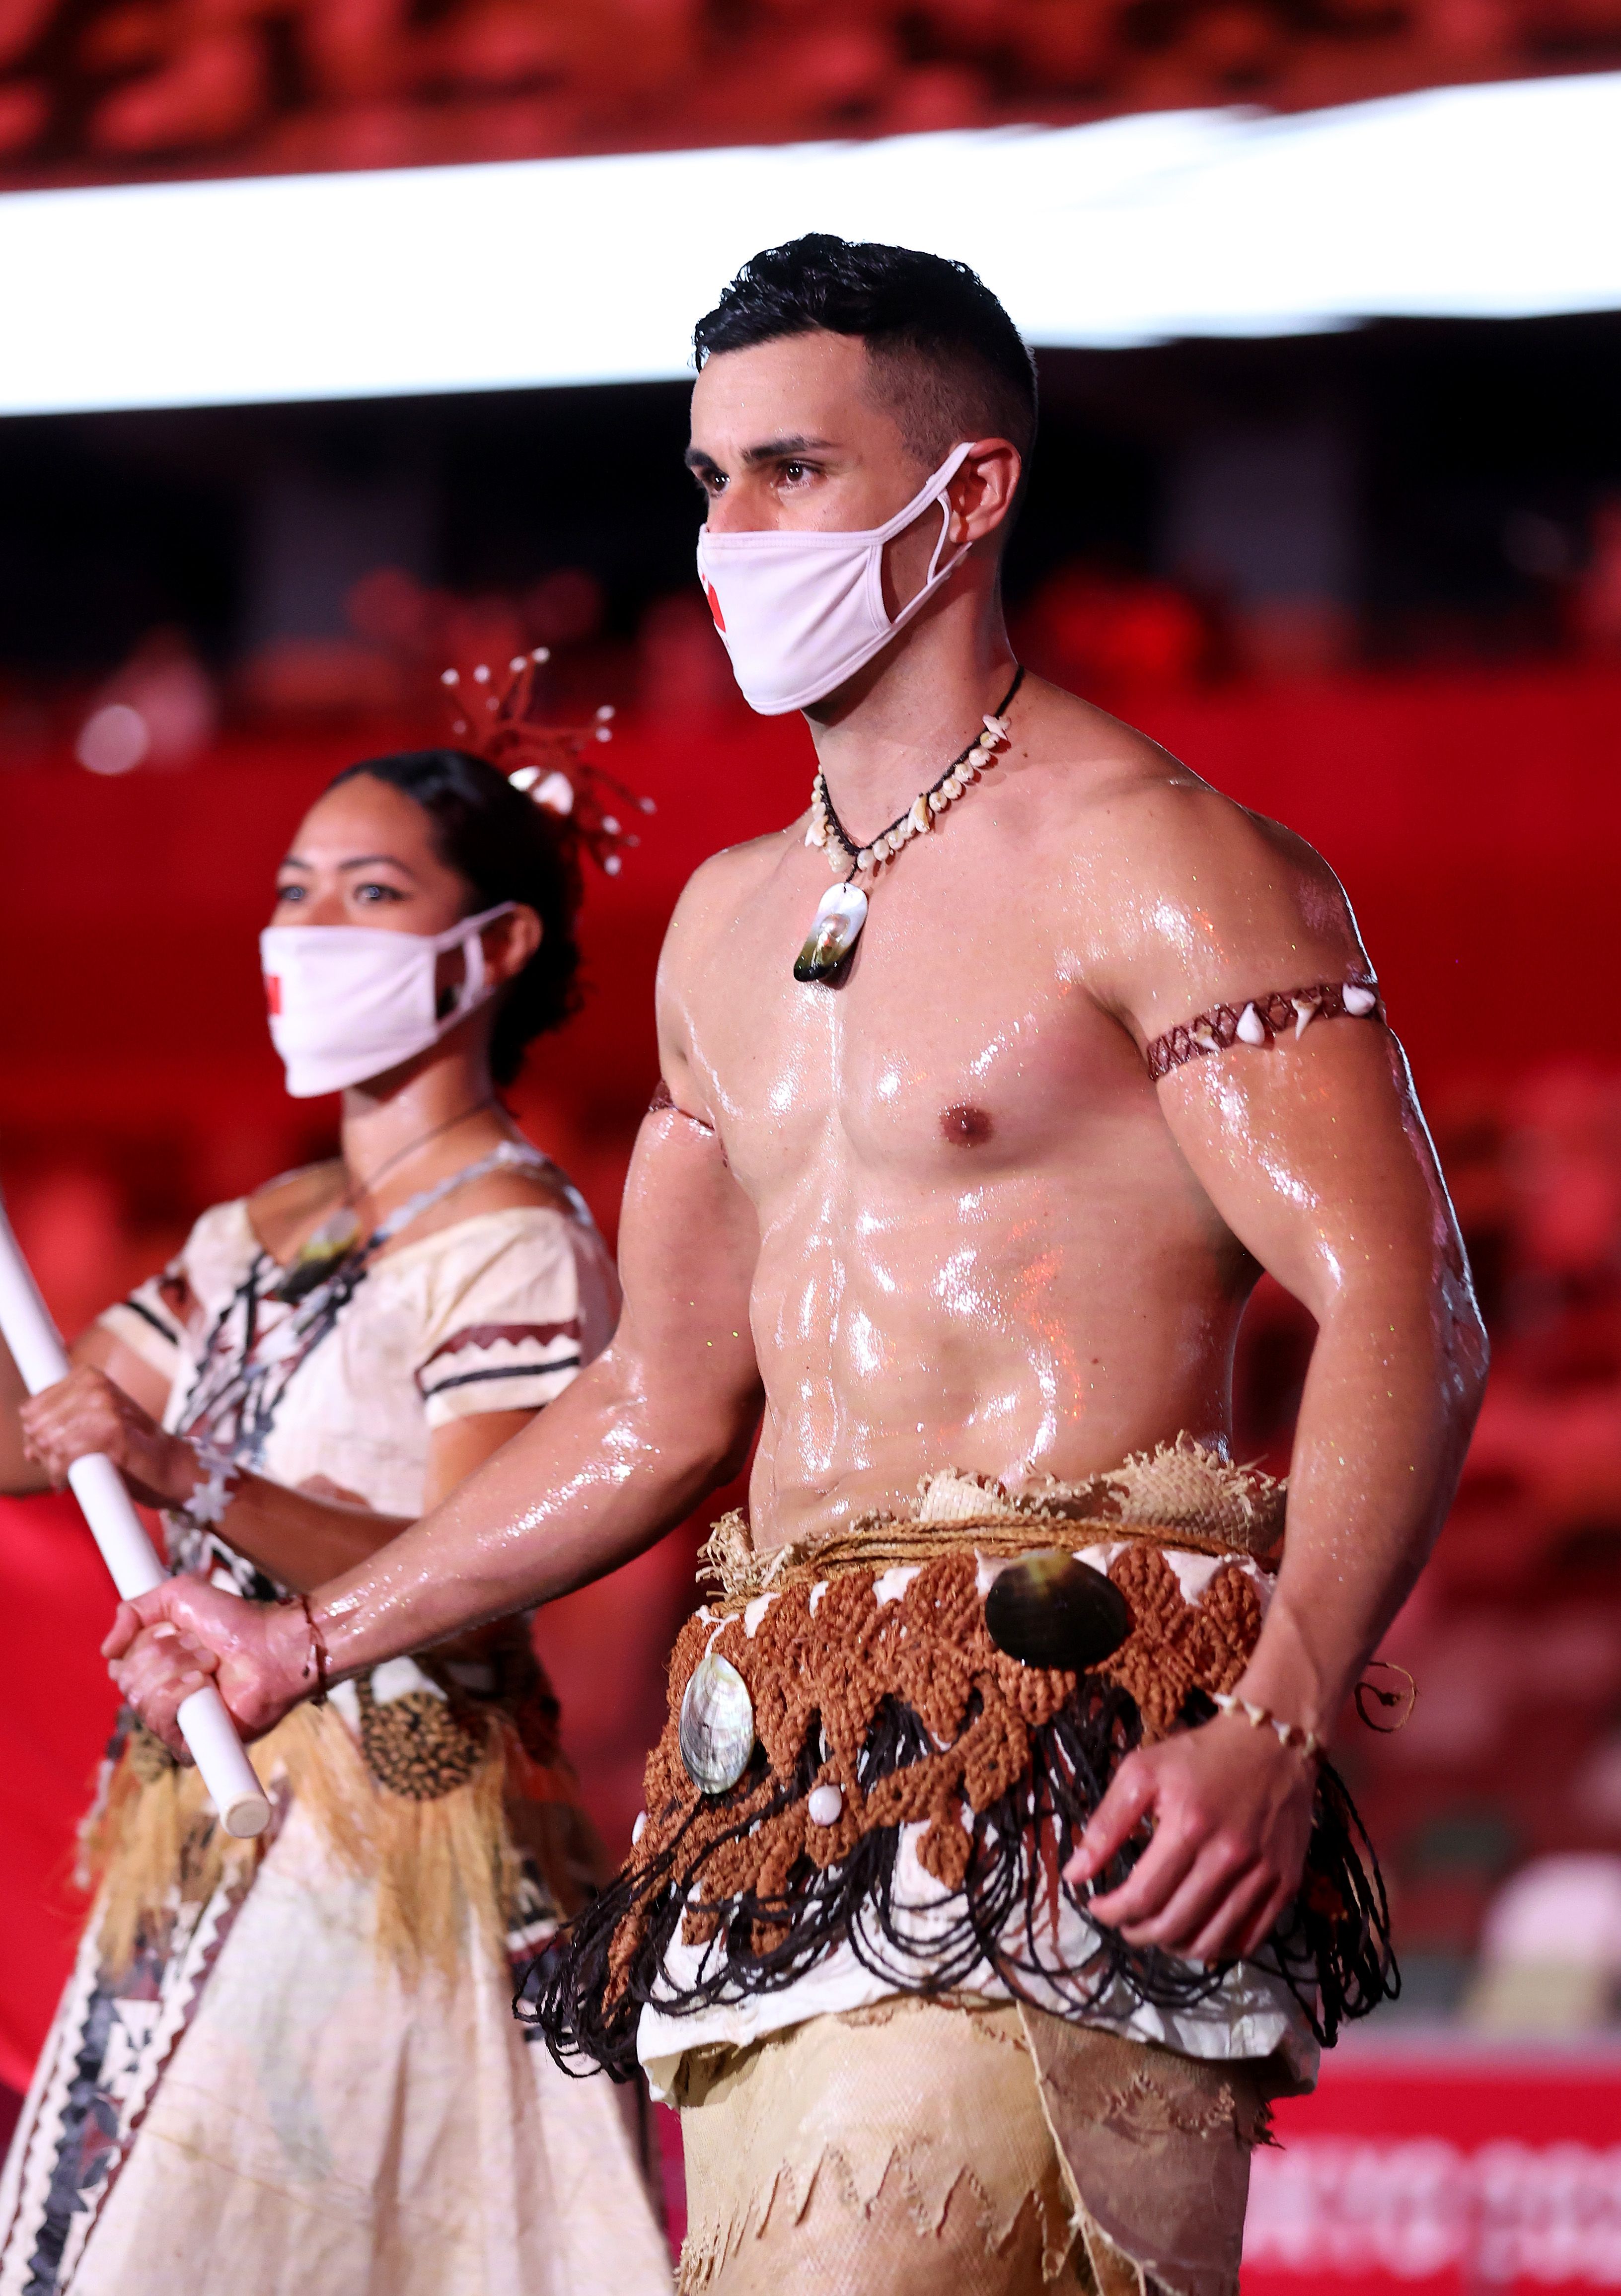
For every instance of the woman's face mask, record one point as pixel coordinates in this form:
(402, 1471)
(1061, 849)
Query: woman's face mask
(350, 1002)
(801, 612)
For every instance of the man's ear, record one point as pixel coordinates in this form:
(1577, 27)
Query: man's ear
(510, 942)
(984, 491)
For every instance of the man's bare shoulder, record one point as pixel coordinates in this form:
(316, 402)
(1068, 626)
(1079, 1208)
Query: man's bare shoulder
(1196, 899)
(695, 951)
(715, 894)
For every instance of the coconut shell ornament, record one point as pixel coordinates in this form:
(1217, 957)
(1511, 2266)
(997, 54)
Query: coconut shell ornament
(1050, 1610)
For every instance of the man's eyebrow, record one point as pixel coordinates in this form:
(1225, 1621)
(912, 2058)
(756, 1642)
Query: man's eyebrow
(772, 450)
(769, 450)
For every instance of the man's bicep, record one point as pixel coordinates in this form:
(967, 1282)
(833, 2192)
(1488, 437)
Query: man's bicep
(1240, 917)
(1314, 1154)
(688, 1242)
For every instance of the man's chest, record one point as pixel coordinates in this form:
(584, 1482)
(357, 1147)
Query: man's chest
(962, 1039)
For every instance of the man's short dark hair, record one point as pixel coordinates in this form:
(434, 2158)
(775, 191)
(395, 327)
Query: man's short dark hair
(946, 357)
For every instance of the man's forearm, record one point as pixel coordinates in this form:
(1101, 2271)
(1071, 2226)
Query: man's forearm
(593, 1481)
(1394, 1388)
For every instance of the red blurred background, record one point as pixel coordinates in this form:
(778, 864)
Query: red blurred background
(1368, 582)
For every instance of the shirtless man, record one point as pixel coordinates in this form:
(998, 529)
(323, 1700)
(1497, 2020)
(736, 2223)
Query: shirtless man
(935, 1213)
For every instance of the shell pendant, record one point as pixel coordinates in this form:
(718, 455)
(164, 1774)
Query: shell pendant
(717, 1725)
(835, 930)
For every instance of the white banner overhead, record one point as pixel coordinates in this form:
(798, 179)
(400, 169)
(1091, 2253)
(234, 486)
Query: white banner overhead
(1496, 201)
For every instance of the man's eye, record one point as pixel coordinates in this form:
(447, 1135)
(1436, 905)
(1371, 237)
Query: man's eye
(289, 893)
(794, 472)
(373, 893)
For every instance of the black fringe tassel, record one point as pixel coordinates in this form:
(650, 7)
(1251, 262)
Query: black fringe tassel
(1333, 1950)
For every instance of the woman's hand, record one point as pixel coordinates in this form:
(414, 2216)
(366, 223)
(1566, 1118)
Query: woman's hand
(1231, 1814)
(87, 1413)
(168, 1644)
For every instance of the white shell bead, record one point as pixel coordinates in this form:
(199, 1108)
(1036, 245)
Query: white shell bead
(639, 1828)
(717, 1725)
(864, 858)
(937, 800)
(921, 815)
(1358, 1000)
(825, 1806)
(1308, 1014)
(1252, 1028)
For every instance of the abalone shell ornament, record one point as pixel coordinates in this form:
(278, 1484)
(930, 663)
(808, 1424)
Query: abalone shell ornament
(1050, 1610)
(717, 1725)
(835, 930)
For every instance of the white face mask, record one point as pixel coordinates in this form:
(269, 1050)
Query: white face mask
(802, 613)
(349, 1002)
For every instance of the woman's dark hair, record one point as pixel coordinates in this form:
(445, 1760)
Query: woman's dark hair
(508, 849)
(946, 354)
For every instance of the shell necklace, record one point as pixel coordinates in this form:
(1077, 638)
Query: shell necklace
(842, 911)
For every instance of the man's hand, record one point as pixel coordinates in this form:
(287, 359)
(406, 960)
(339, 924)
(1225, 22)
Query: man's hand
(1232, 1815)
(165, 1645)
(85, 1413)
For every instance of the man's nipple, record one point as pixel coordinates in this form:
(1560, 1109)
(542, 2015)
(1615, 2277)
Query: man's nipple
(964, 1125)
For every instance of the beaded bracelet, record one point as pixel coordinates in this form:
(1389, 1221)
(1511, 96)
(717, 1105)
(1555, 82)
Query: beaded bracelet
(1287, 1734)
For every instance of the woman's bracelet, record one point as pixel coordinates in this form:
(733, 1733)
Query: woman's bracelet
(317, 1663)
(1259, 1718)
(211, 1497)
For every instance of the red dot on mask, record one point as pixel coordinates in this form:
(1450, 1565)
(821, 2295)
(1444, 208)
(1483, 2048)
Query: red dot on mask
(714, 607)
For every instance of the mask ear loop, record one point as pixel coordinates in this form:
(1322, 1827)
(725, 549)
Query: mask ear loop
(951, 469)
(945, 531)
(470, 942)
(473, 981)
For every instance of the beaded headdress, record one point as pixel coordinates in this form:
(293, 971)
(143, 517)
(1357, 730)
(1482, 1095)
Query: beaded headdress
(552, 765)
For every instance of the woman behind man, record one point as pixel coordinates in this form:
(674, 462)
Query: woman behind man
(293, 2062)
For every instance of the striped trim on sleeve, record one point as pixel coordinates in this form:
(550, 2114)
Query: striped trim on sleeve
(147, 1325)
(498, 1367)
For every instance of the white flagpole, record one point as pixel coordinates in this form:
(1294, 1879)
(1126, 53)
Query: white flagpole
(38, 1352)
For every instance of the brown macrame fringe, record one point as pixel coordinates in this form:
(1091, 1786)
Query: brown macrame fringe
(914, 1714)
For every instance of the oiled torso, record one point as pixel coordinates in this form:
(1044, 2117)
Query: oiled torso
(979, 1244)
